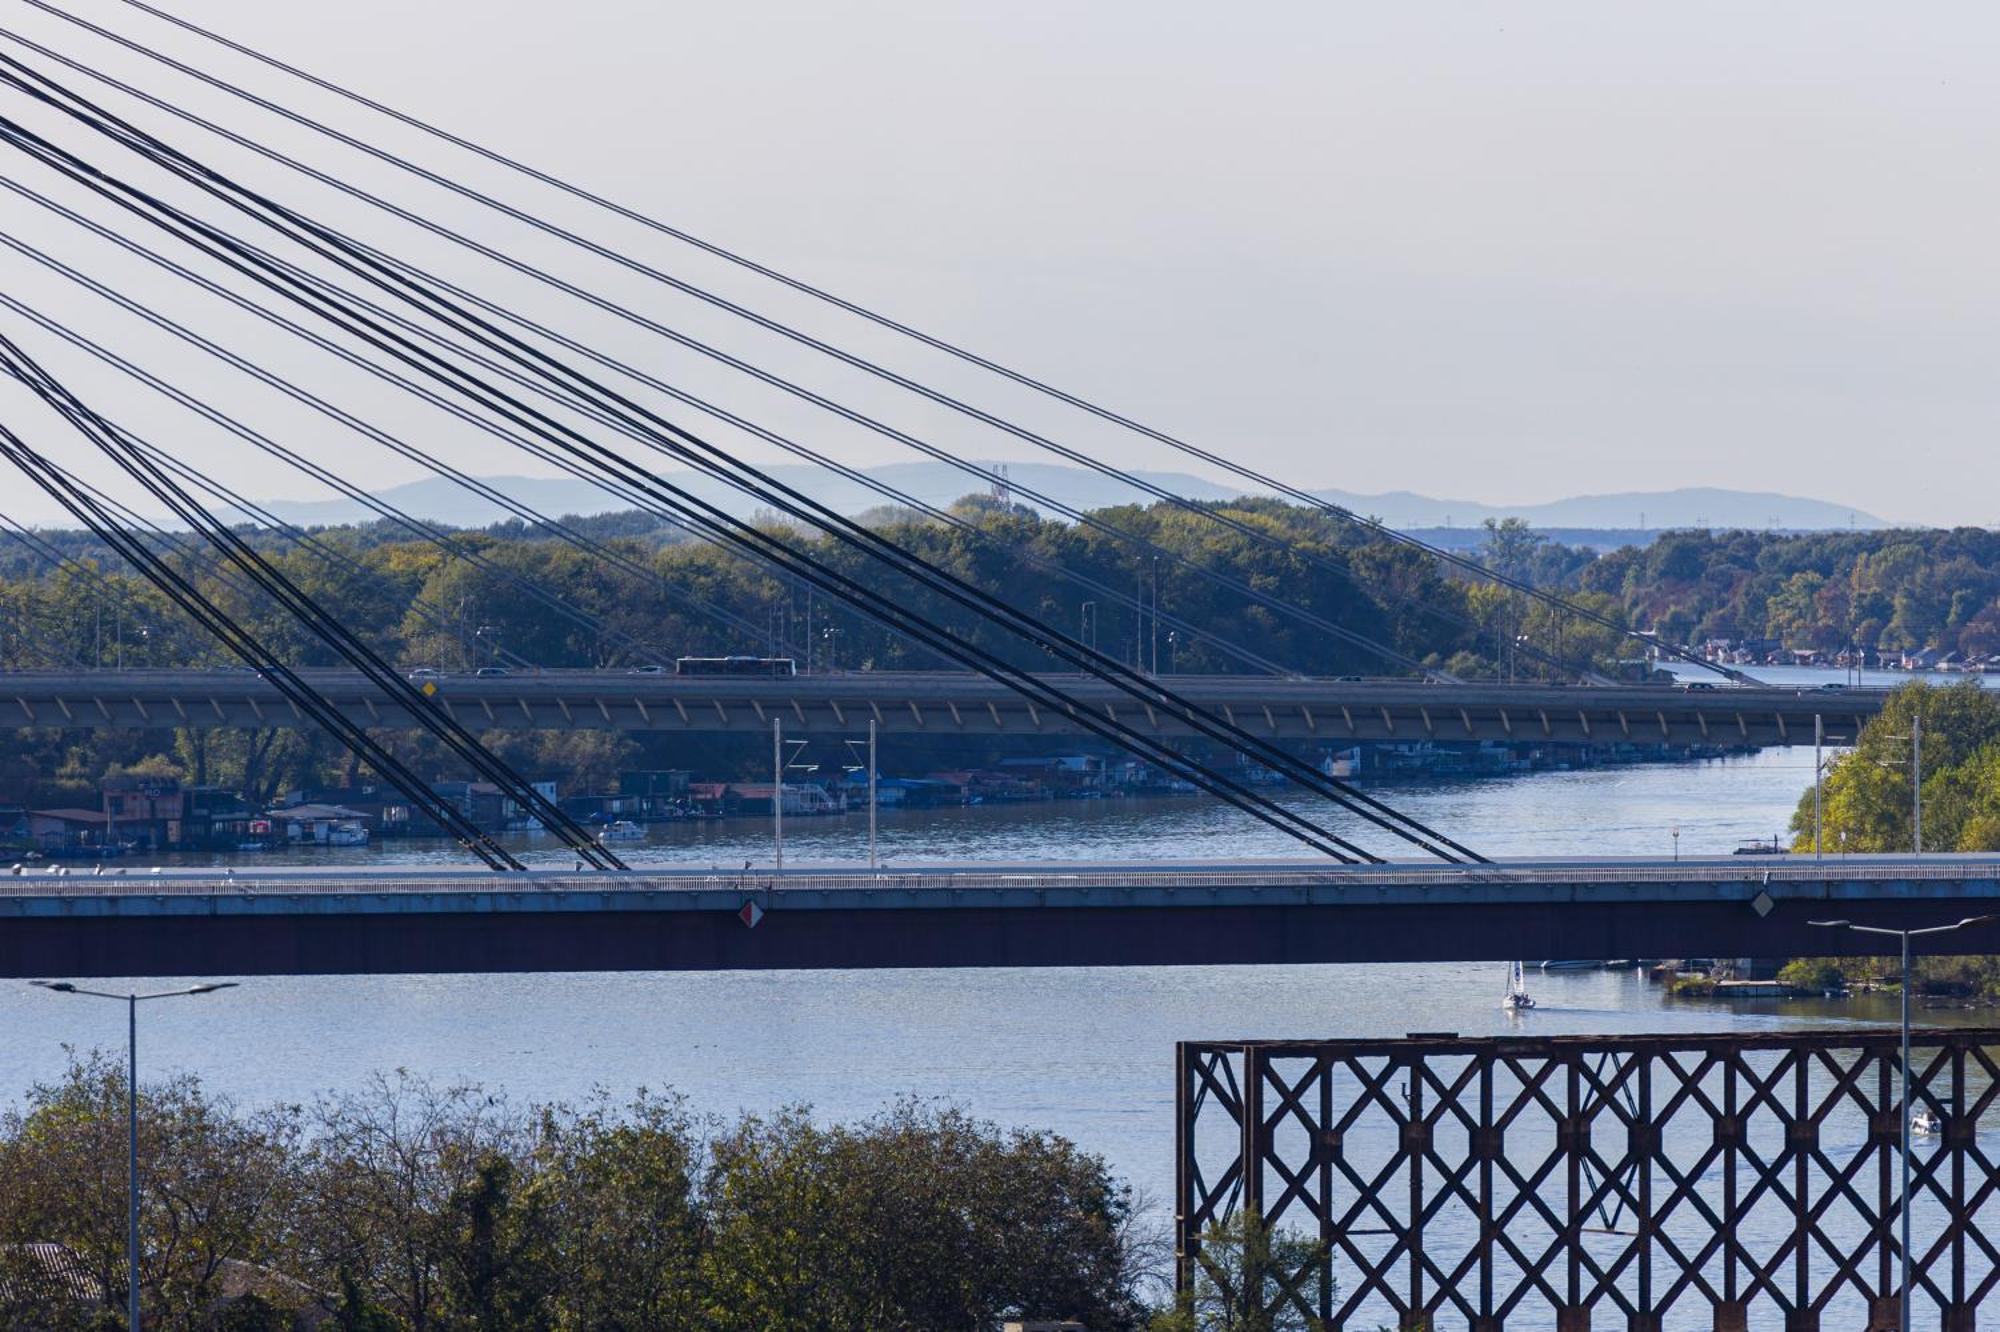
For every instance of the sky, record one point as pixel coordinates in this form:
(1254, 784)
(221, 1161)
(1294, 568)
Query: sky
(1500, 252)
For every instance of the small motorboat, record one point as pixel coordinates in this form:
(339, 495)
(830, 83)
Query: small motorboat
(624, 830)
(1924, 1124)
(1517, 999)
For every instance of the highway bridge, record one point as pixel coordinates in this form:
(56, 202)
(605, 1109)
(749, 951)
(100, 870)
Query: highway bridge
(1332, 710)
(304, 921)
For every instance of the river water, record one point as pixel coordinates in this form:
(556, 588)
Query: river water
(1088, 1053)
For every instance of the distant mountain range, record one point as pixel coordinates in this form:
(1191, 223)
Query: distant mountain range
(444, 501)
(1644, 510)
(441, 501)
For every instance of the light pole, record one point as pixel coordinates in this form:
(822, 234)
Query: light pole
(132, 1002)
(1153, 625)
(1917, 782)
(1903, 1080)
(1819, 771)
(778, 790)
(1916, 739)
(1677, 843)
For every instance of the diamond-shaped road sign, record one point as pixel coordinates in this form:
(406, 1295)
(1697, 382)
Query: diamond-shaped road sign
(750, 914)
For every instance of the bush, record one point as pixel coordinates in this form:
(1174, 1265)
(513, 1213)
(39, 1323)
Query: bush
(1818, 974)
(406, 1205)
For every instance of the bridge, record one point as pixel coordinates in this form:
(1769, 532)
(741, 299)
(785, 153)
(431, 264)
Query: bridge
(952, 703)
(294, 921)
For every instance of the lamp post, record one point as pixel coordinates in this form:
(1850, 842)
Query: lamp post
(1676, 830)
(1917, 782)
(1819, 771)
(1903, 1080)
(1916, 739)
(132, 1002)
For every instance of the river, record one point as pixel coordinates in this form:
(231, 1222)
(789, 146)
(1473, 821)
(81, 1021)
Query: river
(1087, 1053)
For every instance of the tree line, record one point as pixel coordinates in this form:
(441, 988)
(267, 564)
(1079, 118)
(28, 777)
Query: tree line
(1868, 804)
(406, 1206)
(515, 594)
(1886, 591)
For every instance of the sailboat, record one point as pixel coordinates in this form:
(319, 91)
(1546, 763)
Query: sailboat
(1518, 997)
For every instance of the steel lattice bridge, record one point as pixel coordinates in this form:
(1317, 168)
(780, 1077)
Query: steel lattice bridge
(310, 921)
(1333, 711)
(1734, 1182)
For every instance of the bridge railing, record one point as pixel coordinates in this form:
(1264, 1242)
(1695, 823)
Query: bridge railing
(1789, 870)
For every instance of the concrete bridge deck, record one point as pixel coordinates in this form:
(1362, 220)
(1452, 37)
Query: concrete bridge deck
(301, 921)
(843, 703)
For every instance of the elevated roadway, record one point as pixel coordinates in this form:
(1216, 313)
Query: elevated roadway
(298, 921)
(842, 703)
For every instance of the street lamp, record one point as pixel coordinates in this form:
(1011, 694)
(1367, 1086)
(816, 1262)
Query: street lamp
(1677, 843)
(1903, 1094)
(132, 1002)
(1916, 739)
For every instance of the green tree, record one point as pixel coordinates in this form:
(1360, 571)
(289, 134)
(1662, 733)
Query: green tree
(618, 1185)
(218, 1185)
(921, 1220)
(1866, 796)
(1251, 1277)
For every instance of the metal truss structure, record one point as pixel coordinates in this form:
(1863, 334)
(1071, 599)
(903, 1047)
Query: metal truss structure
(1644, 1183)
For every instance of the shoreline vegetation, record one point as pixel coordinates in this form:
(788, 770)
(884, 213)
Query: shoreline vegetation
(1868, 805)
(408, 1206)
(492, 602)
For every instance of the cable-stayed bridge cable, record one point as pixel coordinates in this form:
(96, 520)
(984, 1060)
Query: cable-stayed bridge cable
(308, 234)
(1235, 585)
(527, 513)
(240, 641)
(756, 542)
(1162, 494)
(430, 717)
(1451, 558)
(1249, 531)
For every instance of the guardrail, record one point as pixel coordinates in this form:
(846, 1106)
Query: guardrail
(1774, 871)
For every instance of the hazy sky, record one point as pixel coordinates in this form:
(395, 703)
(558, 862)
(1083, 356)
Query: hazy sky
(1505, 252)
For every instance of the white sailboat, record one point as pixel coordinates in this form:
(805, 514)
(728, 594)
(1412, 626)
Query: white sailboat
(1517, 998)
